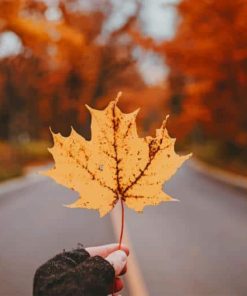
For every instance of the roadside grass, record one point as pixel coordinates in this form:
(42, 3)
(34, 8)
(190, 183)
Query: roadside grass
(14, 158)
(217, 155)
(10, 172)
(33, 152)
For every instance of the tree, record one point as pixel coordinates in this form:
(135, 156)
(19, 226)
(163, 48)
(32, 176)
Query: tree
(63, 65)
(60, 68)
(208, 71)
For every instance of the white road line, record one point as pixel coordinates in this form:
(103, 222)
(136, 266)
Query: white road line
(134, 277)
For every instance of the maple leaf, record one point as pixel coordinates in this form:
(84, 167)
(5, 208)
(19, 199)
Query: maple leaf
(116, 163)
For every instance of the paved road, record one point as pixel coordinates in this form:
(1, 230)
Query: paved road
(34, 226)
(194, 247)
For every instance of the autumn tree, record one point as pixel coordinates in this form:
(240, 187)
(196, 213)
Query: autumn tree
(45, 46)
(64, 63)
(208, 71)
(60, 68)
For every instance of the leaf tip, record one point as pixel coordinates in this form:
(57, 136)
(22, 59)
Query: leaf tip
(135, 113)
(88, 107)
(51, 130)
(72, 131)
(188, 156)
(163, 125)
(118, 96)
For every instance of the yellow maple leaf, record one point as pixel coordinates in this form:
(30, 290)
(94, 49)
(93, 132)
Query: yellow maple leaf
(116, 163)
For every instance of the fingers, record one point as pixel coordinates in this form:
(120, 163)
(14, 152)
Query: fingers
(124, 270)
(106, 250)
(118, 260)
(118, 285)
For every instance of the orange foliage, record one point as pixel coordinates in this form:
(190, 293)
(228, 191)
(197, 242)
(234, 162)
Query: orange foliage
(61, 67)
(27, 20)
(208, 64)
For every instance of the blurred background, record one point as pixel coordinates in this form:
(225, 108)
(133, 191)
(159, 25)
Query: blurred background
(185, 58)
(167, 57)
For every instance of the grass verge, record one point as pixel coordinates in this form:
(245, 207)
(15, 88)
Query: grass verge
(15, 157)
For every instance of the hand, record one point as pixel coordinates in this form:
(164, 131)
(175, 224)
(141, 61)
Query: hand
(117, 258)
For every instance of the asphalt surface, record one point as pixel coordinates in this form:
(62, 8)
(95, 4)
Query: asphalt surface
(194, 247)
(34, 226)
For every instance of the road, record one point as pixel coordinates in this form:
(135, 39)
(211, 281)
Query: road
(34, 226)
(195, 247)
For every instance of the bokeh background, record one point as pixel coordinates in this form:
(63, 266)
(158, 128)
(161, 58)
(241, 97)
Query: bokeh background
(185, 58)
(167, 57)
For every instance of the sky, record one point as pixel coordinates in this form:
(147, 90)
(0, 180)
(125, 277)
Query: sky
(158, 20)
(158, 17)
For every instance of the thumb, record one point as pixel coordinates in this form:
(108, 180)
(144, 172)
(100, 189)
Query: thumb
(118, 260)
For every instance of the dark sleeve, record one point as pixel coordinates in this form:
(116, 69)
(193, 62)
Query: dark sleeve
(74, 273)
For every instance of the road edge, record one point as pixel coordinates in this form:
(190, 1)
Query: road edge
(218, 174)
(23, 181)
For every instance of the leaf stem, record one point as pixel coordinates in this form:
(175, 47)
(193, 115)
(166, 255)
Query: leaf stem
(121, 234)
(122, 224)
